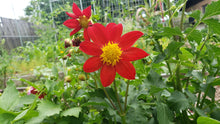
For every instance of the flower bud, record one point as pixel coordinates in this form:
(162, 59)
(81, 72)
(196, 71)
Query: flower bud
(67, 43)
(65, 57)
(68, 79)
(82, 77)
(76, 42)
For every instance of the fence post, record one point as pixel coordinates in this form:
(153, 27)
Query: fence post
(51, 10)
(81, 5)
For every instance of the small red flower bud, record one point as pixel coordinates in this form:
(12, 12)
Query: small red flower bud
(67, 43)
(76, 42)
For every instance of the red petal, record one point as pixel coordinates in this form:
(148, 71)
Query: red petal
(87, 12)
(133, 54)
(72, 15)
(92, 64)
(97, 33)
(76, 10)
(75, 30)
(126, 69)
(110, 25)
(90, 48)
(128, 39)
(107, 75)
(85, 34)
(71, 23)
(114, 31)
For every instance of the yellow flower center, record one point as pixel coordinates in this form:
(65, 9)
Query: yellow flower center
(84, 21)
(111, 54)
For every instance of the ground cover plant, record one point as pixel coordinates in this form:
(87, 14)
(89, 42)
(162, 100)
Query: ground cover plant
(156, 72)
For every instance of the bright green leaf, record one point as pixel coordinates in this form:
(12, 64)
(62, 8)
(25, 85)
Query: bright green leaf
(173, 48)
(72, 112)
(186, 55)
(207, 120)
(212, 9)
(48, 108)
(45, 108)
(213, 24)
(6, 118)
(10, 97)
(195, 35)
(167, 31)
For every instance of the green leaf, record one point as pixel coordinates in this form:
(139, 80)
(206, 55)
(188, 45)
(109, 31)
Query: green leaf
(21, 115)
(28, 99)
(45, 108)
(200, 112)
(167, 31)
(154, 89)
(196, 14)
(154, 79)
(212, 9)
(164, 115)
(186, 55)
(159, 58)
(215, 114)
(207, 120)
(10, 97)
(195, 35)
(72, 112)
(55, 71)
(172, 48)
(6, 118)
(213, 24)
(48, 108)
(216, 82)
(197, 75)
(178, 101)
(192, 97)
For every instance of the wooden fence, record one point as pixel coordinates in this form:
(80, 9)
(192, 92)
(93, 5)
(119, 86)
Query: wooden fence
(16, 32)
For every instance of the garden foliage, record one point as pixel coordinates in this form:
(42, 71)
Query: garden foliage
(164, 73)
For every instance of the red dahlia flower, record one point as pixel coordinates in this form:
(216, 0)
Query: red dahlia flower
(80, 19)
(111, 52)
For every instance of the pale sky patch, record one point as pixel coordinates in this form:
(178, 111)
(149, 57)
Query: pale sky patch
(13, 8)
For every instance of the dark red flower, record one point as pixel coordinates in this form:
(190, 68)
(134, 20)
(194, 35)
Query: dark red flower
(76, 42)
(111, 52)
(31, 90)
(42, 95)
(80, 19)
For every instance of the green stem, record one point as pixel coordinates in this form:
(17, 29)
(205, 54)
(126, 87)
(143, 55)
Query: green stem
(182, 16)
(116, 93)
(203, 99)
(106, 93)
(170, 14)
(198, 100)
(123, 119)
(126, 96)
(178, 82)
(197, 56)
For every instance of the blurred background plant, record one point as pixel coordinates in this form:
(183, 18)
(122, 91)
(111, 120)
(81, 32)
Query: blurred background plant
(176, 84)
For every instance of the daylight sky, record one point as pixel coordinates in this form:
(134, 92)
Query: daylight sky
(13, 8)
